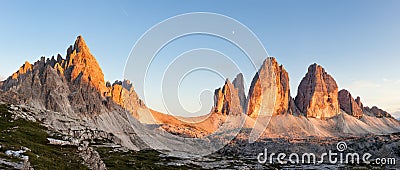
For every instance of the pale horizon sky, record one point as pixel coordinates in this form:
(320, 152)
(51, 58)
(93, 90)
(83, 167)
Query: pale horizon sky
(357, 42)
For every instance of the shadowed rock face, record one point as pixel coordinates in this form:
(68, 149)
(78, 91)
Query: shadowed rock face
(75, 84)
(226, 100)
(317, 95)
(293, 110)
(269, 92)
(349, 105)
(238, 83)
(377, 112)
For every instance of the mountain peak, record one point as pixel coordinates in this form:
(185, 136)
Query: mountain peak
(226, 99)
(269, 92)
(82, 67)
(22, 70)
(317, 94)
(227, 81)
(75, 84)
(238, 83)
(313, 68)
(80, 44)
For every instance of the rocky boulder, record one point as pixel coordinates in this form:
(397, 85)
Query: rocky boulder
(317, 94)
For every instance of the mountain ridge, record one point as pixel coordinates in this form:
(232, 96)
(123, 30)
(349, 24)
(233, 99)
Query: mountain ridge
(76, 85)
(71, 100)
(58, 81)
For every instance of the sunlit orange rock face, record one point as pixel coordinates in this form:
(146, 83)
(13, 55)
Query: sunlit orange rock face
(81, 66)
(116, 91)
(269, 92)
(226, 100)
(123, 94)
(349, 105)
(317, 95)
(22, 70)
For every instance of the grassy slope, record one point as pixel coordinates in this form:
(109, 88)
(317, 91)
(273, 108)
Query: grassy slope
(15, 134)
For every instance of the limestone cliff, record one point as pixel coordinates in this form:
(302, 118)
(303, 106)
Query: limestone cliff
(269, 92)
(317, 94)
(238, 83)
(226, 100)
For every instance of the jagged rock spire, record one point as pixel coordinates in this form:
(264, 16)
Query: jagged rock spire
(82, 67)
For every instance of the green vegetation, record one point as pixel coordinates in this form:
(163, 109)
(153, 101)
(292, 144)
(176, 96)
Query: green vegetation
(145, 159)
(15, 134)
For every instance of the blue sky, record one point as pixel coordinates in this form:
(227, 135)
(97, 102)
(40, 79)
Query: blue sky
(356, 41)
